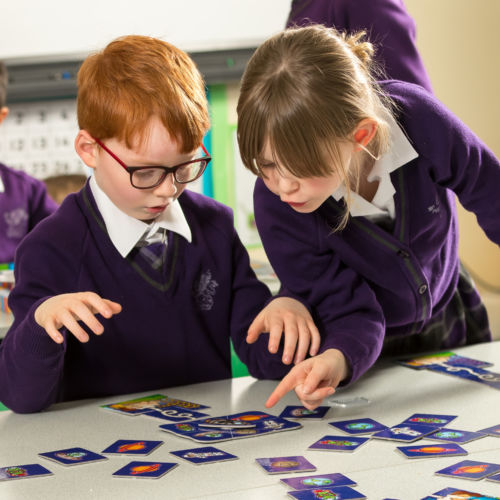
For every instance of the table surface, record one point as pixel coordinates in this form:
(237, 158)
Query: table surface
(396, 392)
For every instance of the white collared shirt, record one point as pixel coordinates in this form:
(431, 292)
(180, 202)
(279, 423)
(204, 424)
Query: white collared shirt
(382, 205)
(126, 232)
(2, 187)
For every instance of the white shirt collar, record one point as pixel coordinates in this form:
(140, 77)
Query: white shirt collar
(2, 187)
(400, 153)
(125, 231)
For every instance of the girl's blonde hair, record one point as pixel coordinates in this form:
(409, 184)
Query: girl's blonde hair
(305, 90)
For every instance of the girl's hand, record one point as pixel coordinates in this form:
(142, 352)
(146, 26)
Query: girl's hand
(313, 380)
(287, 315)
(69, 308)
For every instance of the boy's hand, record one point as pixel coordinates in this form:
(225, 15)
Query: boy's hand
(313, 380)
(287, 315)
(69, 308)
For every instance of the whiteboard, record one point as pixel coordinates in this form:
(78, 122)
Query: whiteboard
(52, 27)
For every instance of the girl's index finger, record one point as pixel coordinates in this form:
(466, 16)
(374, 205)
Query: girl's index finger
(288, 383)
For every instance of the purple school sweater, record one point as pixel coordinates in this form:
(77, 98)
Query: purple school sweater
(388, 24)
(173, 329)
(23, 204)
(363, 282)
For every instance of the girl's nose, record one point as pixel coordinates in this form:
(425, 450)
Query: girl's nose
(287, 183)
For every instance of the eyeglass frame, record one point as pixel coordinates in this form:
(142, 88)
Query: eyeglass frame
(166, 170)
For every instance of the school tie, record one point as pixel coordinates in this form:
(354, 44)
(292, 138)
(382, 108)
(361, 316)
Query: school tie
(155, 253)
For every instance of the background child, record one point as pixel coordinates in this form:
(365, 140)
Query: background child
(158, 271)
(23, 199)
(389, 27)
(355, 203)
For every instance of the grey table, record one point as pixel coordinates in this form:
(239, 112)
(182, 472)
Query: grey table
(380, 471)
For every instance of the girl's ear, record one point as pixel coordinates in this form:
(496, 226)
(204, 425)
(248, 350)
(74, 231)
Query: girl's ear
(86, 148)
(364, 133)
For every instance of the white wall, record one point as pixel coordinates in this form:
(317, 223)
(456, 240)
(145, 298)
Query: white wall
(40, 28)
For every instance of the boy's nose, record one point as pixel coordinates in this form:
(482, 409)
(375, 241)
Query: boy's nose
(167, 188)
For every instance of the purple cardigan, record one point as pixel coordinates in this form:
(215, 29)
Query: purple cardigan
(172, 331)
(388, 24)
(23, 204)
(363, 282)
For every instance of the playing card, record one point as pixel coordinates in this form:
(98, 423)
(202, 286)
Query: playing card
(441, 450)
(359, 426)
(448, 357)
(338, 492)
(491, 431)
(429, 419)
(296, 412)
(205, 455)
(338, 443)
(175, 414)
(226, 423)
(279, 465)
(453, 493)
(150, 470)
(308, 482)
(132, 447)
(469, 373)
(406, 432)
(73, 456)
(152, 402)
(454, 435)
(495, 478)
(23, 471)
(470, 469)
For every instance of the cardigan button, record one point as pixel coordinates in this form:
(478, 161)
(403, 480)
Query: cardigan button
(422, 289)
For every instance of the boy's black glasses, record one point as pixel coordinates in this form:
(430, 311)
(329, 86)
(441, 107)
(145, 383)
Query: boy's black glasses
(150, 177)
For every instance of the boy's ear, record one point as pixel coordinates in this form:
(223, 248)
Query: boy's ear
(4, 111)
(86, 149)
(364, 132)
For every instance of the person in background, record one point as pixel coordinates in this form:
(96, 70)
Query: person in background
(389, 26)
(59, 186)
(23, 199)
(136, 283)
(355, 203)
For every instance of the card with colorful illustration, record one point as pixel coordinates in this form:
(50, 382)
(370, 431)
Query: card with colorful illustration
(447, 357)
(491, 431)
(336, 492)
(23, 471)
(339, 443)
(318, 480)
(437, 450)
(264, 423)
(453, 493)
(73, 456)
(132, 447)
(455, 435)
(280, 465)
(296, 412)
(429, 419)
(175, 414)
(146, 470)
(226, 423)
(495, 478)
(473, 374)
(204, 455)
(359, 426)
(406, 432)
(153, 402)
(470, 469)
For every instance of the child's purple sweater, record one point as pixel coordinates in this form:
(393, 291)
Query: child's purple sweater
(170, 332)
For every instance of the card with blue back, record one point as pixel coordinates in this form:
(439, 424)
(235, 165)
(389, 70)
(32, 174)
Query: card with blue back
(338, 443)
(491, 431)
(175, 414)
(147, 470)
(73, 456)
(132, 447)
(296, 412)
(280, 465)
(455, 435)
(317, 480)
(434, 450)
(470, 469)
(339, 492)
(405, 432)
(359, 426)
(23, 471)
(429, 419)
(204, 455)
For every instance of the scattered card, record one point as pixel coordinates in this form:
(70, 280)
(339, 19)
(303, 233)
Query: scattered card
(470, 469)
(308, 482)
(150, 470)
(131, 447)
(447, 357)
(338, 443)
(73, 456)
(455, 435)
(279, 465)
(153, 402)
(429, 419)
(453, 493)
(23, 471)
(495, 478)
(226, 423)
(339, 492)
(302, 412)
(447, 449)
(491, 431)
(175, 414)
(359, 426)
(205, 455)
(407, 432)
(469, 373)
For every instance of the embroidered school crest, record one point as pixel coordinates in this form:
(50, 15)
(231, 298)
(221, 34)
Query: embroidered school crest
(17, 221)
(204, 291)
